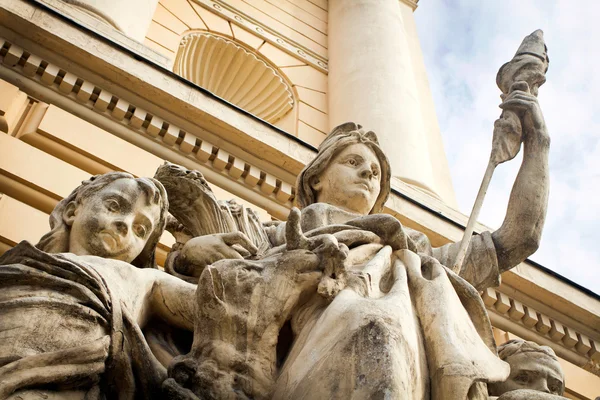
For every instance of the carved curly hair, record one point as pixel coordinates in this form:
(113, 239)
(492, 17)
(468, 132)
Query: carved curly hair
(57, 240)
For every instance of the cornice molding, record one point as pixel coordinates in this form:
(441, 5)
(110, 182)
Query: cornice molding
(193, 146)
(411, 3)
(512, 315)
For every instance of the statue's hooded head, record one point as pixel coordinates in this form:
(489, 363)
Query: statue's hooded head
(114, 215)
(347, 138)
(532, 367)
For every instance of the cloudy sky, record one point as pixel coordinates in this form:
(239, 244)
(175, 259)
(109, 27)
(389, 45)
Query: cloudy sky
(464, 42)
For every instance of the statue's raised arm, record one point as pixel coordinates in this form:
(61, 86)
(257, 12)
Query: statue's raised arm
(482, 258)
(520, 233)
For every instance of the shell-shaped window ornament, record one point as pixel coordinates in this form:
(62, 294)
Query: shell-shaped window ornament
(233, 73)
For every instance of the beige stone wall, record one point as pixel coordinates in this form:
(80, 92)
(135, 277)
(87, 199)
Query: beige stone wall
(302, 21)
(281, 32)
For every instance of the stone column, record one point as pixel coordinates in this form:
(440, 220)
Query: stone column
(132, 17)
(372, 82)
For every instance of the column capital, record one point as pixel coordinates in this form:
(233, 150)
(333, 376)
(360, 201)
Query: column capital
(412, 3)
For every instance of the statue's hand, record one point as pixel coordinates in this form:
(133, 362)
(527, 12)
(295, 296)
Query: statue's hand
(242, 307)
(201, 251)
(386, 226)
(526, 105)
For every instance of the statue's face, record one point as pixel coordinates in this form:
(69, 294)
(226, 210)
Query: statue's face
(114, 222)
(351, 181)
(534, 371)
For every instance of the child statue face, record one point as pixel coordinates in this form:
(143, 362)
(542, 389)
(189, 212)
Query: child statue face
(114, 222)
(351, 181)
(534, 371)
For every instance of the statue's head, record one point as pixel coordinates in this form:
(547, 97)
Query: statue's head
(350, 171)
(114, 216)
(532, 367)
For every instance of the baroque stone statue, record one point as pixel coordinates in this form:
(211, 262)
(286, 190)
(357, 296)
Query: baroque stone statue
(338, 302)
(368, 330)
(77, 311)
(73, 307)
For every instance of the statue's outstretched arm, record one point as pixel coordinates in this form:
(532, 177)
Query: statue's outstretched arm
(173, 300)
(520, 233)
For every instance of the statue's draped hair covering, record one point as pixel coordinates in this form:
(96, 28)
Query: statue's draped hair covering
(517, 346)
(57, 240)
(520, 346)
(341, 137)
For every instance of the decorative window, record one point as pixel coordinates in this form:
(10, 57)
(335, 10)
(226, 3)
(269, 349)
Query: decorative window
(235, 74)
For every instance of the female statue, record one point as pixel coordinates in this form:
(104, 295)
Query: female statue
(390, 320)
(378, 336)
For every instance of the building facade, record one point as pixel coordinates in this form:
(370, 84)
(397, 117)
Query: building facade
(244, 91)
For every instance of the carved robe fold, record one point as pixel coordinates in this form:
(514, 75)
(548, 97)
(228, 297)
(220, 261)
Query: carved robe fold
(62, 328)
(394, 332)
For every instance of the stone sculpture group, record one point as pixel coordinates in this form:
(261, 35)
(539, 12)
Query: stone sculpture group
(338, 302)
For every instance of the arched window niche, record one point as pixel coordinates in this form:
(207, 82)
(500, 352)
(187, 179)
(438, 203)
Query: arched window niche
(234, 73)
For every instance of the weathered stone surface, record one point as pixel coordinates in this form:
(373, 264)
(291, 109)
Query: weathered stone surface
(242, 307)
(337, 302)
(72, 323)
(527, 394)
(532, 368)
(206, 229)
(526, 72)
(387, 318)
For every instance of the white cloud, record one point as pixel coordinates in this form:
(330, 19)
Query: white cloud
(464, 43)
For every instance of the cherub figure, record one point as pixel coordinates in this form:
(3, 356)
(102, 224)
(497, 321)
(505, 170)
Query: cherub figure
(73, 307)
(110, 205)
